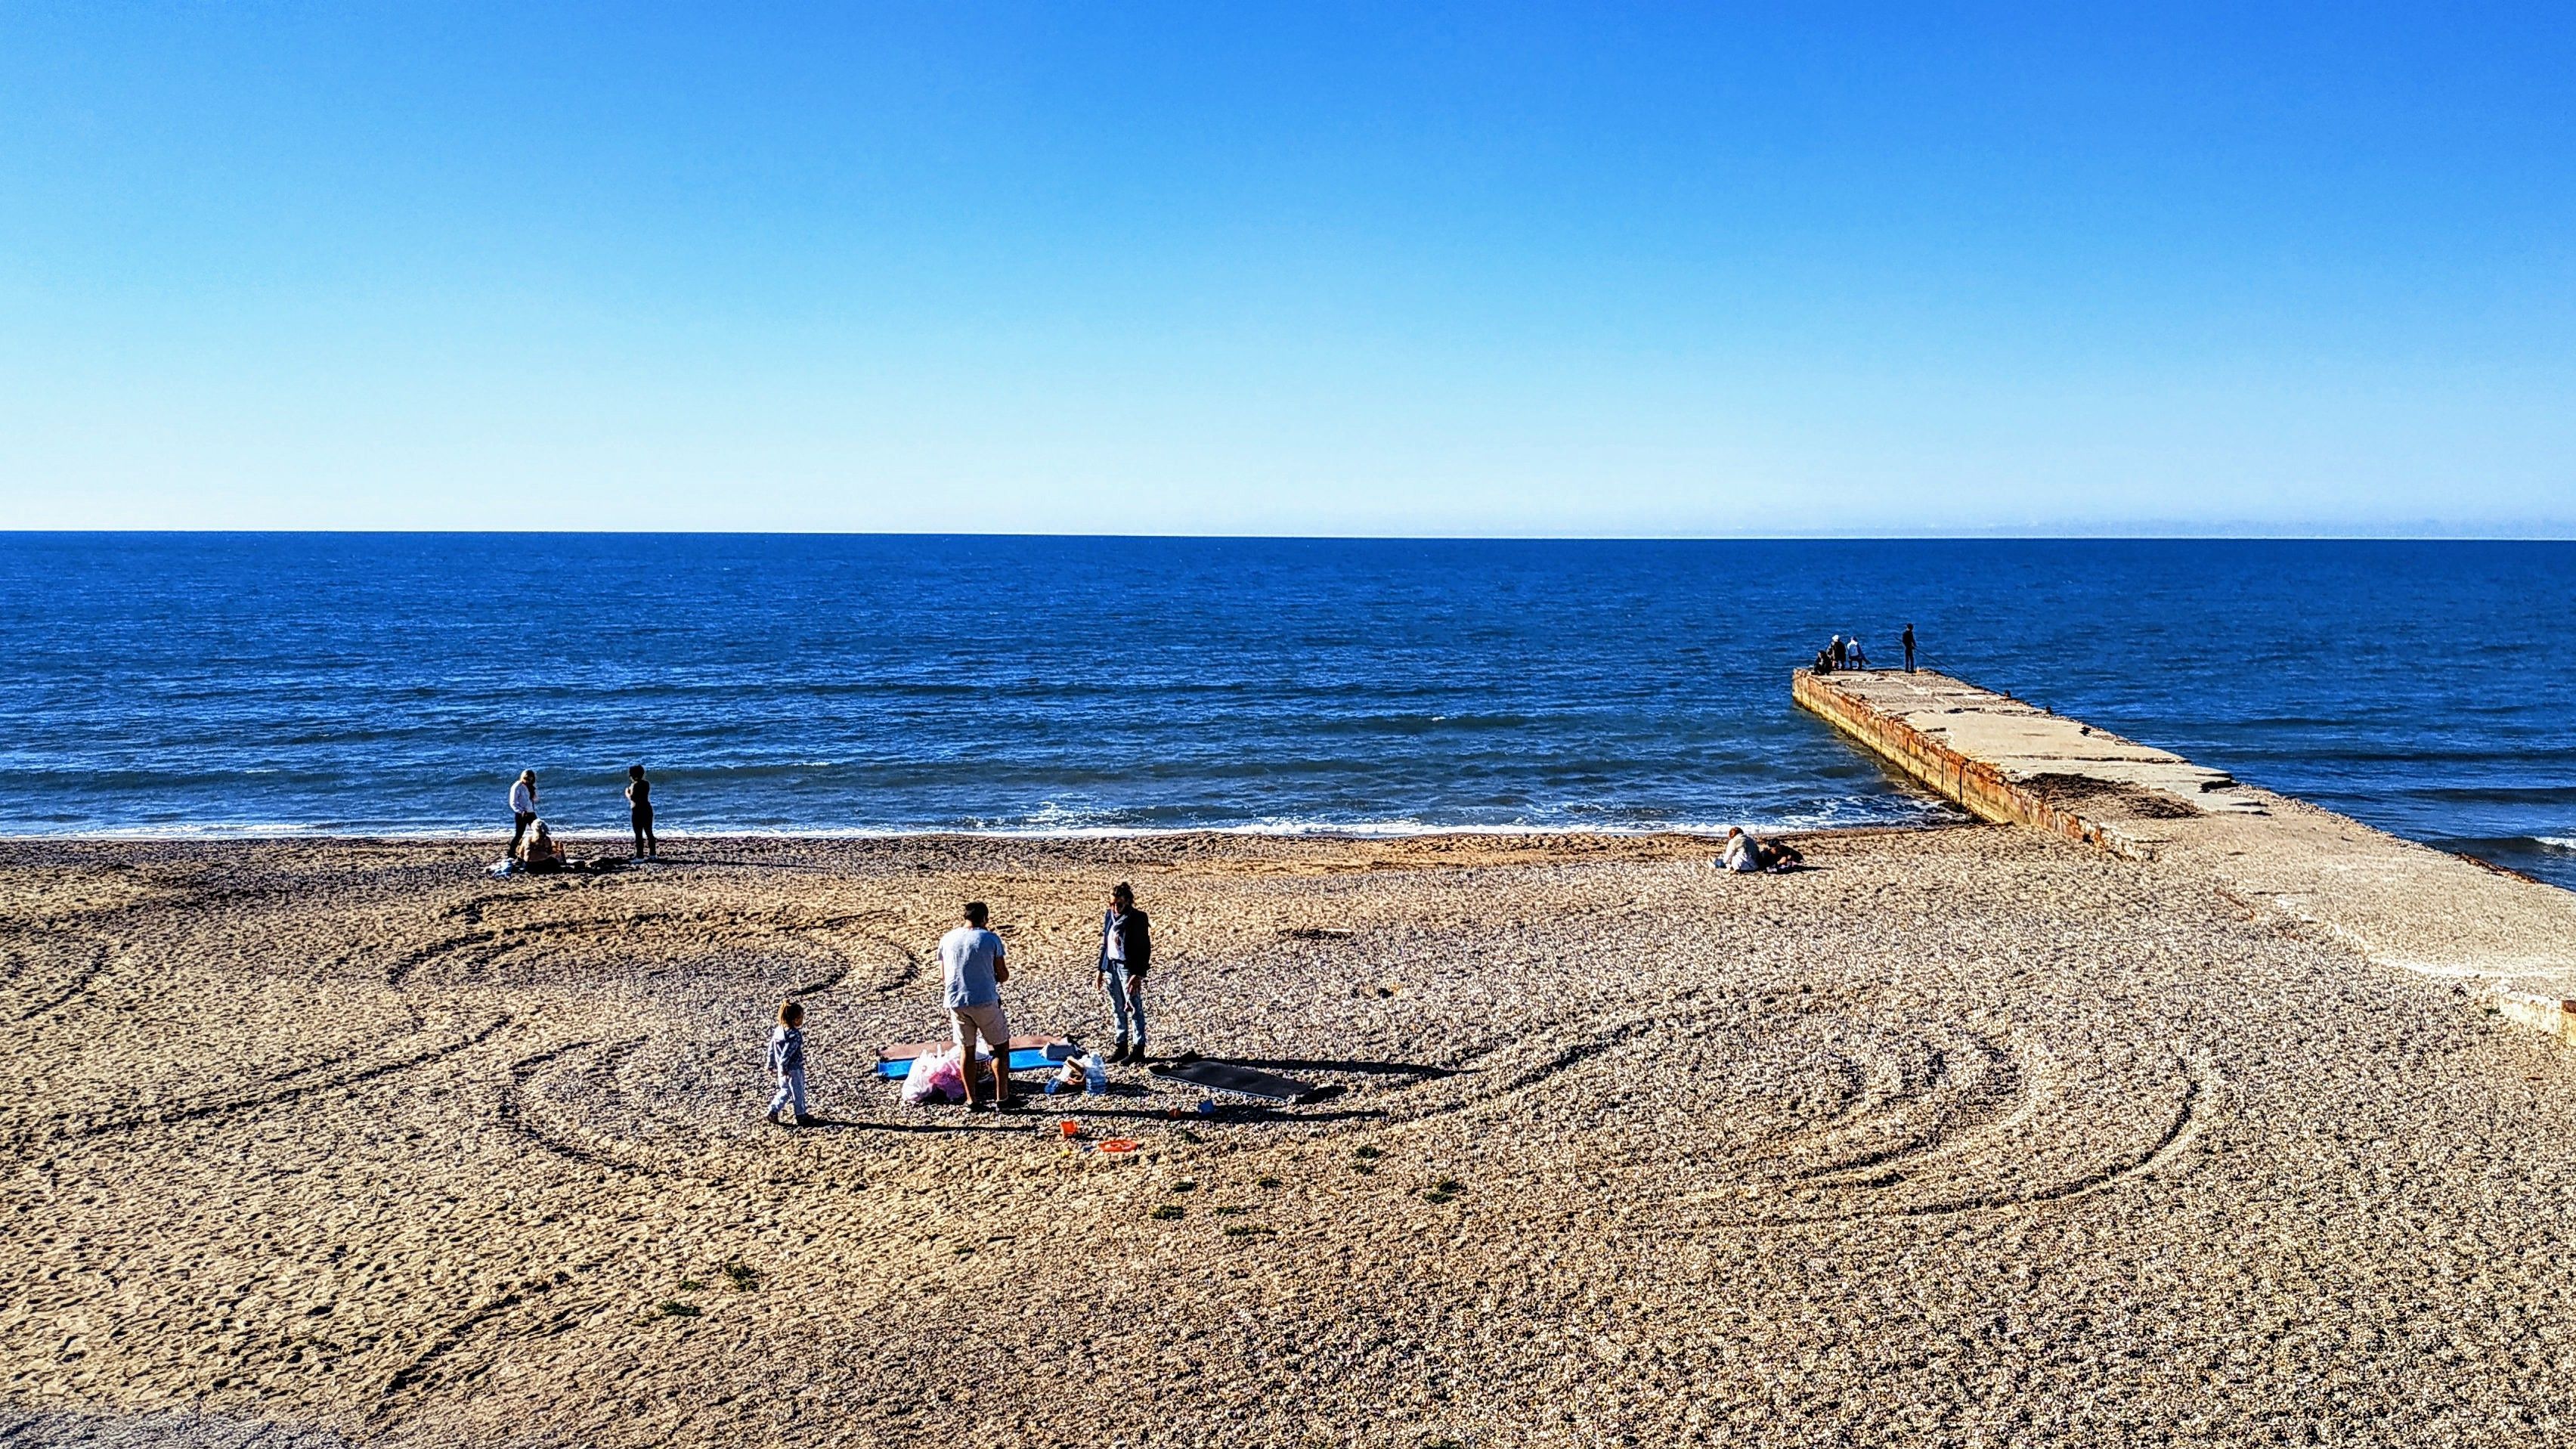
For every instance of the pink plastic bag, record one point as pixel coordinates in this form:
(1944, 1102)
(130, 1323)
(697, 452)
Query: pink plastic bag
(933, 1075)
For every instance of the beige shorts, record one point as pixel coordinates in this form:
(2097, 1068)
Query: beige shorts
(966, 1023)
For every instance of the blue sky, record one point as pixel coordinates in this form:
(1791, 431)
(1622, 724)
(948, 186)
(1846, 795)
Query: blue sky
(1289, 269)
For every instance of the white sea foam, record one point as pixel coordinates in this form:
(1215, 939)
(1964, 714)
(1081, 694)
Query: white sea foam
(1038, 828)
(2557, 842)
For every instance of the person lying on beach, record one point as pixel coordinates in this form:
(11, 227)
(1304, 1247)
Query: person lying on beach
(1126, 949)
(787, 1063)
(1746, 853)
(972, 970)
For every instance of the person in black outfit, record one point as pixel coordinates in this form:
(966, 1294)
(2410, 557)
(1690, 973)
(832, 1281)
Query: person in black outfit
(639, 811)
(1126, 950)
(1909, 649)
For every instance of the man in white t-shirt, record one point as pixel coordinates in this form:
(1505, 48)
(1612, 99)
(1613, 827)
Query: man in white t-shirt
(972, 970)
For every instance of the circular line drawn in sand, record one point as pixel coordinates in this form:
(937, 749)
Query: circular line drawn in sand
(1785, 1118)
(450, 1360)
(638, 945)
(272, 1089)
(39, 984)
(553, 1096)
(649, 1101)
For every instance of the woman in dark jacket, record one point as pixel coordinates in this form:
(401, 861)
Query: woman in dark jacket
(1126, 950)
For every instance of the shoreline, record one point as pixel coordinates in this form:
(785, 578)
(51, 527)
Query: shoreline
(308, 835)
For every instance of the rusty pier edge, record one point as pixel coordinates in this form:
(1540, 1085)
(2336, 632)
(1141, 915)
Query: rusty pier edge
(1980, 788)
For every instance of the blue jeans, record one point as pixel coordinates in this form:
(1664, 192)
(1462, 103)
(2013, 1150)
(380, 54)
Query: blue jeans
(1126, 992)
(791, 1087)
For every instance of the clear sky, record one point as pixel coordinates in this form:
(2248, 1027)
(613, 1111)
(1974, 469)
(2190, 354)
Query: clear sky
(1241, 268)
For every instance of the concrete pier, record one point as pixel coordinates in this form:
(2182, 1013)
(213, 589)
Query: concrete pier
(2506, 941)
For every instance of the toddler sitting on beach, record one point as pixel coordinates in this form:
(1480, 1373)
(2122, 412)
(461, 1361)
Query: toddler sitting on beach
(787, 1062)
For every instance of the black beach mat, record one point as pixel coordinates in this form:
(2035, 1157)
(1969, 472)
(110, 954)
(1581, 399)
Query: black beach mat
(1227, 1077)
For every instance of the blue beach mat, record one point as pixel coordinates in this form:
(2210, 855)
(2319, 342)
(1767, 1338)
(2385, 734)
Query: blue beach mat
(1026, 1059)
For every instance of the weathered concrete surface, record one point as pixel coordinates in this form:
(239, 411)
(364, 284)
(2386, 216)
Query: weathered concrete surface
(2508, 941)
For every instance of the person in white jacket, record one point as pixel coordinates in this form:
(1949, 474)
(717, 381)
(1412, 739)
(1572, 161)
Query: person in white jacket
(523, 806)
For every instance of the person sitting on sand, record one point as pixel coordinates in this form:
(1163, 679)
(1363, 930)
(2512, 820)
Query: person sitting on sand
(523, 808)
(539, 852)
(639, 811)
(787, 1063)
(972, 970)
(1778, 855)
(1126, 949)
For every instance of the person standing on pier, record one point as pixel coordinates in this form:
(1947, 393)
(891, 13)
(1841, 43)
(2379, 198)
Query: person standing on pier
(1909, 649)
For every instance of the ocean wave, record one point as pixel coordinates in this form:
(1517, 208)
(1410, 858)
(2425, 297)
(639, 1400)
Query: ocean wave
(1394, 829)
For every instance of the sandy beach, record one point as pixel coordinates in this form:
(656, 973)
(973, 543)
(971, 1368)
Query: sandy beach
(1964, 1136)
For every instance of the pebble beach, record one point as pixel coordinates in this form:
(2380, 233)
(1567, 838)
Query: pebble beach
(1962, 1136)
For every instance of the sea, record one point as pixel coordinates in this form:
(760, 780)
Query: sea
(156, 684)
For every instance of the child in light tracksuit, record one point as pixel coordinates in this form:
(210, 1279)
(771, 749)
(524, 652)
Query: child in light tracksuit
(787, 1062)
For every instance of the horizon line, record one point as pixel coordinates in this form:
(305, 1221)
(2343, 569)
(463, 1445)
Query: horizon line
(2032, 536)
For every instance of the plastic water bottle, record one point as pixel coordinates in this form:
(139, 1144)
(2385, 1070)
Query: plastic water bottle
(1095, 1077)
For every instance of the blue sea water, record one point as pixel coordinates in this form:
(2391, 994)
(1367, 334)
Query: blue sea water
(161, 683)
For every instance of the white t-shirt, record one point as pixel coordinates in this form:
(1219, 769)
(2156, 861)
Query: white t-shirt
(523, 798)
